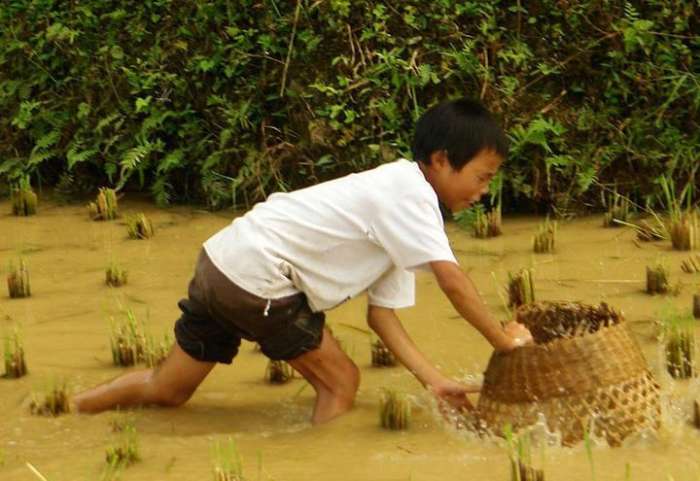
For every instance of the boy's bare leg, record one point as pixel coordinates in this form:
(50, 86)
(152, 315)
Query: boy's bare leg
(332, 374)
(169, 384)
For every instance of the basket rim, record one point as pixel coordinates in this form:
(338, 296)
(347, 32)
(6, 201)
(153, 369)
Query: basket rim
(550, 345)
(522, 313)
(564, 367)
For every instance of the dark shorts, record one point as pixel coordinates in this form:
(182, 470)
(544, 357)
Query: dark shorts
(217, 314)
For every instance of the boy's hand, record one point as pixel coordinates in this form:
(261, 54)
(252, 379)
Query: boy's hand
(452, 395)
(519, 336)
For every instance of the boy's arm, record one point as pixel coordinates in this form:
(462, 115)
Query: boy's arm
(388, 327)
(461, 292)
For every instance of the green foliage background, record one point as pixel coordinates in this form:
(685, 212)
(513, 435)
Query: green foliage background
(225, 101)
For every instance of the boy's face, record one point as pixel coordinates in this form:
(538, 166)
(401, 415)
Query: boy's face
(459, 189)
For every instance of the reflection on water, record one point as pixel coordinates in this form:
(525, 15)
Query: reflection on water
(65, 328)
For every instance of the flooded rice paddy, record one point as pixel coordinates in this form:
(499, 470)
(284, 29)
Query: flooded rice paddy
(65, 327)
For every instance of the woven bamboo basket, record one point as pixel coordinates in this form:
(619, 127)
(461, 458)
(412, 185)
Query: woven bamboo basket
(585, 372)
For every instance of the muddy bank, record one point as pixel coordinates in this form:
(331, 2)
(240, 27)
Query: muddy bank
(65, 328)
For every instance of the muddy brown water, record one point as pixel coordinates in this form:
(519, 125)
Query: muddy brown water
(65, 327)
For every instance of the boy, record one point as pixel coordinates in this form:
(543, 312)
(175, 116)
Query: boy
(269, 275)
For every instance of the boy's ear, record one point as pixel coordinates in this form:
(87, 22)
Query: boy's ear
(439, 159)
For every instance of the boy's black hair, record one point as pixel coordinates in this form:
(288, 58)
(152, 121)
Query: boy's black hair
(460, 127)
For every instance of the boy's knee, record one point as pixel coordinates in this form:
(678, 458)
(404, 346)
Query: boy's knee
(168, 396)
(172, 399)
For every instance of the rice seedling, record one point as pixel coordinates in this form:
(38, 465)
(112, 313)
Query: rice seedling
(679, 344)
(484, 224)
(52, 402)
(227, 461)
(682, 224)
(115, 275)
(139, 226)
(545, 238)
(589, 452)
(680, 363)
(684, 232)
(23, 198)
(521, 289)
(278, 372)
(647, 232)
(494, 220)
(487, 224)
(493, 217)
(125, 451)
(696, 306)
(105, 206)
(618, 210)
(394, 410)
(127, 340)
(15, 364)
(381, 355)
(155, 352)
(18, 280)
(481, 226)
(691, 265)
(657, 278)
(121, 421)
(520, 456)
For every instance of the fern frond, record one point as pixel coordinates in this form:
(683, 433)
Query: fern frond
(106, 121)
(76, 155)
(110, 141)
(131, 160)
(40, 156)
(135, 155)
(210, 162)
(631, 13)
(171, 161)
(154, 121)
(47, 140)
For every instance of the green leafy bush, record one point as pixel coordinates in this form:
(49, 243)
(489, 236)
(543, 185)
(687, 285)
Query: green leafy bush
(226, 101)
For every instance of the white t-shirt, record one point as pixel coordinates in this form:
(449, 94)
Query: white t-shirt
(334, 240)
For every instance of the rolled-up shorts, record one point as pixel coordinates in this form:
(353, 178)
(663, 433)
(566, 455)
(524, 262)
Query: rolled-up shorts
(217, 314)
